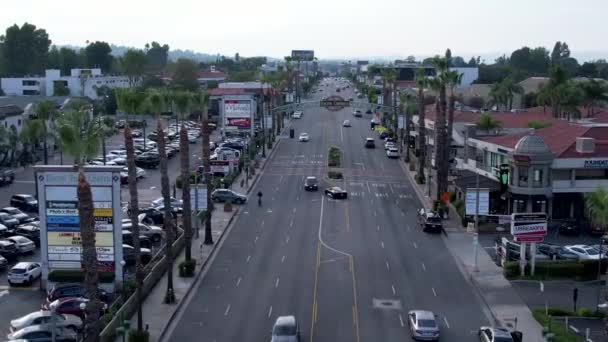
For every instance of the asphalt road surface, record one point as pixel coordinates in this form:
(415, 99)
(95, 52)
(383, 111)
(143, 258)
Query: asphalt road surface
(349, 270)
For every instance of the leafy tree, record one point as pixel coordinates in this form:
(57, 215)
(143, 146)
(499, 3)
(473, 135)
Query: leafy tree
(45, 111)
(60, 89)
(151, 81)
(107, 98)
(588, 69)
(494, 73)
(98, 55)
(186, 75)
(157, 56)
(25, 50)
(597, 204)
(459, 62)
(560, 51)
(594, 92)
(487, 123)
(243, 76)
(533, 61)
(134, 65)
(80, 139)
(473, 62)
(64, 59)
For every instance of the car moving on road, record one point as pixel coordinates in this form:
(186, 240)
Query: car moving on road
(297, 115)
(336, 193)
(346, 123)
(429, 221)
(491, 334)
(423, 325)
(304, 137)
(285, 329)
(369, 143)
(311, 184)
(392, 152)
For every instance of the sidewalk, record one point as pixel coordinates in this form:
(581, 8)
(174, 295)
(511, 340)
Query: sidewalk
(157, 315)
(505, 306)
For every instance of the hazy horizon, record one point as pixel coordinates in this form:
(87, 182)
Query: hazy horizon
(356, 29)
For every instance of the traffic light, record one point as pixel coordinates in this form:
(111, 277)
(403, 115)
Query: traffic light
(504, 178)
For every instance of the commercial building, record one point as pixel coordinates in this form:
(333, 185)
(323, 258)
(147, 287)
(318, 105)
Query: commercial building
(80, 82)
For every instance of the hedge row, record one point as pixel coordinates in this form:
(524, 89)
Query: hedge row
(77, 276)
(334, 156)
(581, 270)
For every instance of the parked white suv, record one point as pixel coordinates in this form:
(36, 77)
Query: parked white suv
(297, 114)
(24, 273)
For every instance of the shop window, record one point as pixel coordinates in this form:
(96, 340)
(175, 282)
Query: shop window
(538, 178)
(519, 206)
(539, 206)
(523, 176)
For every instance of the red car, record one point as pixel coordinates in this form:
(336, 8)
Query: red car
(71, 306)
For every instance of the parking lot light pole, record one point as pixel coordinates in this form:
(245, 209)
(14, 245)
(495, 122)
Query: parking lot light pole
(83, 307)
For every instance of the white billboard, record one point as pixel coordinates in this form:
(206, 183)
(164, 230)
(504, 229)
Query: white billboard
(471, 200)
(237, 109)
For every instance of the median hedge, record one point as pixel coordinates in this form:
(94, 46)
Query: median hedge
(582, 270)
(77, 276)
(334, 157)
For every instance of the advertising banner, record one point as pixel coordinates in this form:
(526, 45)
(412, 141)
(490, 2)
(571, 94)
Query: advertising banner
(303, 55)
(471, 200)
(102, 239)
(237, 109)
(220, 166)
(238, 123)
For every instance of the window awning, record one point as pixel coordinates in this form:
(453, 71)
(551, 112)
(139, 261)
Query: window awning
(467, 179)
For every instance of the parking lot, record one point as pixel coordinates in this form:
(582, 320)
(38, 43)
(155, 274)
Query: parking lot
(17, 301)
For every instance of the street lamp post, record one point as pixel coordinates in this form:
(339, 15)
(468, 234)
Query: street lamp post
(123, 264)
(83, 307)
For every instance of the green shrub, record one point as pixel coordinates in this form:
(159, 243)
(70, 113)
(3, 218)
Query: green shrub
(77, 276)
(333, 157)
(139, 336)
(186, 268)
(558, 328)
(452, 197)
(590, 269)
(511, 269)
(559, 269)
(559, 312)
(420, 179)
(334, 174)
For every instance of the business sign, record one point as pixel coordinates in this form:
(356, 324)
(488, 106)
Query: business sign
(528, 224)
(471, 200)
(238, 123)
(198, 198)
(334, 103)
(60, 235)
(237, 109)
(220, 166)
(530, 238)
(302, 55)
(596, 164)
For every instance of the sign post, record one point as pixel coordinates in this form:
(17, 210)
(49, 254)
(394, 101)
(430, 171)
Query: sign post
(532, 228)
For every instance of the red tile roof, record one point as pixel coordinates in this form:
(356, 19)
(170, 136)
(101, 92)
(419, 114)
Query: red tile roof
(600, 134)
(508, 119)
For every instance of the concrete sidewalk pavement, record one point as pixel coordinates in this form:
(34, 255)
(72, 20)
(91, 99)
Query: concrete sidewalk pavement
(506, 307)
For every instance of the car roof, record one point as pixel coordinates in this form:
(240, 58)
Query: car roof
(286, 320)
(369, 139)
(23, 264)
(311, 177)
(501, 332)
(423, 314)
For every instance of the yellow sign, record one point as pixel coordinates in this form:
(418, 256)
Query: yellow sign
(107, 212)
(102, 239)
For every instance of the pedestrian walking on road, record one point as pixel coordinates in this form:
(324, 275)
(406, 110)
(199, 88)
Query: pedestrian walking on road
(259, 198)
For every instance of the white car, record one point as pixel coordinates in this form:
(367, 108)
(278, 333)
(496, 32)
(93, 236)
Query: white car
(346, 123)
(23, 244)
(46, 317)
(584, 252)
(304, 137)
(297, 115)
(118, 153)
(389, 144)
(139, 172)
(392, 152)
(24, 273)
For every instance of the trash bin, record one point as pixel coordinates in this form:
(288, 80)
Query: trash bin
(292, 133)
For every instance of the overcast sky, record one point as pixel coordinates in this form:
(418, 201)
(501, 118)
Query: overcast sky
(333, 28)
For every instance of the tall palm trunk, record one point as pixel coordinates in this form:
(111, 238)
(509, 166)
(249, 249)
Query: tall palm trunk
(440, 133)
(207, 174)
(450, 125)
(184, 157)
(89, 255)
(421, 134)
(168, 222)
(133, 215)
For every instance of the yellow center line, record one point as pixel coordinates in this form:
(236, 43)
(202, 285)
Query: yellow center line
(314, 295)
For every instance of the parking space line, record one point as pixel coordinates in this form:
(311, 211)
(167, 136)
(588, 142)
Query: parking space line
(401, 320)
(447, 324)
(227, 310)
(434, 293)
(238, 281)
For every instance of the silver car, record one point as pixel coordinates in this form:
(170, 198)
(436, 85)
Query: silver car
(46, 317)
(423, 325)
(43, 333)
(286, 329)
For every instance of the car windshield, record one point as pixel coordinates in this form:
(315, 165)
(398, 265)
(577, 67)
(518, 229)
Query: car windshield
(284, 330)
(427, 323)
(502, 339)
(433, 219)
(18, 270)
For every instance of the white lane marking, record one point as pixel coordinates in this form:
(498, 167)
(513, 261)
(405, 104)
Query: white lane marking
(368, 189)
(387, 266)
(447, 324)
(256, 239)
(291, 224)
(401, 320)
(298, 198)
(3, 293)
(375, 213)
(262, 224)
(248, 258)
(321, 230)
(276, 283)
(294, 210)
(423, 267)
(283, 259)
(227, 310)
(415, 245)
(378, 228)
(238, 282)
(393, 287)
(434, 293)
(270, 311)
(391, 187)
(341, 134)
(382, 244)
(287, 240)
(281, 179)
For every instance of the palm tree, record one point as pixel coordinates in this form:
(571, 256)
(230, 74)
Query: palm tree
(498, 95)
(405, 102)
(45, 111)
(487, 122)
(80, 139)
(389, 76)
(594, 92)
(30, 137)
(441, 163)
(510, 88)
(597, 204)
(183, 104)
(453, 80)
(421, 83)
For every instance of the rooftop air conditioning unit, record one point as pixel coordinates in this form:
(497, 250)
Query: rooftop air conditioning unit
(585, 145)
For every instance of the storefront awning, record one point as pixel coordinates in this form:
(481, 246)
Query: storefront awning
(467, 179)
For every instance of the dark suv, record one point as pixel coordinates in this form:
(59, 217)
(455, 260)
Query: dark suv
(429, 221)
(311, 184)
(7, 176)
(8, 250)
(227, 195)
(24, 202)
(147, 160)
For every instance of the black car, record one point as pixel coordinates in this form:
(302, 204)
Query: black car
(8, 250)
(30, 232)
(128, 255)
(24, 202)
(570, 227)
(429, 221)
(9, 221)
(152, 216)
(127, 238)
(63, 290)
(369, 143)
(384, 134)
(311, 184)
(336, 193)
(7, 176)
(556, 252)
(147, 160)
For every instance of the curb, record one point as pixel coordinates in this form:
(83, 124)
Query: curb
(263, 167)
(203, 267)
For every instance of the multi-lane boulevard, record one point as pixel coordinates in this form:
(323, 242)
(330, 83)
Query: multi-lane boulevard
(349, 270)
